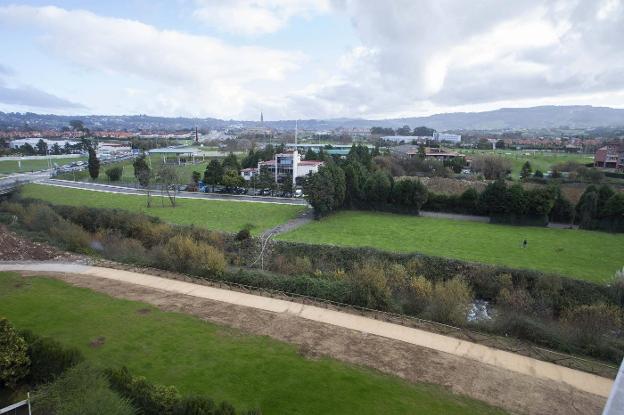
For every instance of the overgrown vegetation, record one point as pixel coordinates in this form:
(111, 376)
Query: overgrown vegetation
(530, 305)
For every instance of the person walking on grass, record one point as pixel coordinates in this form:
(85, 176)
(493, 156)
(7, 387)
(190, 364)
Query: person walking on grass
(524, 244)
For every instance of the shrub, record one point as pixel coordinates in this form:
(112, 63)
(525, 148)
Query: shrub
(39, 217)
(591, 322)
(151, 233)
(451, 301)
(14, 361)
(80, 390)
(114, 173)
(48, 358)
(123, 249)
(71, 236)
(419, 297)
(515, 300)
(291, 266)
(195, 405)
(243, 235)
(181, 253)
(368, 288)
(148, 398)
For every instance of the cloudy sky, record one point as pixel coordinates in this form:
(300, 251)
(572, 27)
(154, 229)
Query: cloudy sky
(308, 58)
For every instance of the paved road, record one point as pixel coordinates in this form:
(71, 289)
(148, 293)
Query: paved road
(505, 360)
(97, 187)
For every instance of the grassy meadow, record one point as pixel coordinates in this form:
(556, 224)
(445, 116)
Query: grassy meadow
(203, 358)
(212, 214)
(593, 256)
(13, 166)
(540, 160)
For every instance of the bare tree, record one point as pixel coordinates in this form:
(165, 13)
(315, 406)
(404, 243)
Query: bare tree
(169, 179)
(491, 166)
(143, 174)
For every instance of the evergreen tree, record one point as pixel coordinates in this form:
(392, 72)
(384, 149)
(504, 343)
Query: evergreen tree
(230, 162)
(93, 164)
(214, 173)
(526, 170)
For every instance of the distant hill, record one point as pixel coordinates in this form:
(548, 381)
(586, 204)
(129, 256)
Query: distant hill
(576, 116)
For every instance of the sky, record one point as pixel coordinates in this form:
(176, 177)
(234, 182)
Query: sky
(232, 59)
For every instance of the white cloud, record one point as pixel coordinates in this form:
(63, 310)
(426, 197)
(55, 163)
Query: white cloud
(197, 74)
(446, 53)
(250, 17)
(411, 57)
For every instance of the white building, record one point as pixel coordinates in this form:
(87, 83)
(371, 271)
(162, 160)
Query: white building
(284, 165)
(451, 138)
(34, 140)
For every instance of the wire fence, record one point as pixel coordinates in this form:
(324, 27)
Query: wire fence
(509, 344)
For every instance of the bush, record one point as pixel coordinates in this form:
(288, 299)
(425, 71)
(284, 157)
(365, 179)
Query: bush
(148, 398)
(49, 359)
(80, 390)
(39, 217)
(243, 235)
(14, 361)
(181, 253)
(72, 237)
(451, 301)
(153, 399)
(591, 322)
(114, 173)
(368, 288)
(419, 297)
(122, 249)
(195, 405)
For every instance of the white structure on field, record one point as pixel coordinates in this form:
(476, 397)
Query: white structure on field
(285, 164)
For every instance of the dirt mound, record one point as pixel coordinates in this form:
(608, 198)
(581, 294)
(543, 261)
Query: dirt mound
(15, 248)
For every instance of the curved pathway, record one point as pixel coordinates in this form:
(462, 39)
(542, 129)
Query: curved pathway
(505, 360)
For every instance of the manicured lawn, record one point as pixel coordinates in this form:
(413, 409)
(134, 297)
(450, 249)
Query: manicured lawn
(211, 214)
(199, 357)
(542, 160)
(593, 256)
(12, 166)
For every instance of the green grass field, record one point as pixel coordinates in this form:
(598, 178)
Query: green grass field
(212, 214)
(542, 160)
(12, 166)
(225, 364)
(184, 171)
(593, 256)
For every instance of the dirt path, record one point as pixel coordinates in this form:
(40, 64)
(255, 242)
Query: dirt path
(303, 219)
(393, 352)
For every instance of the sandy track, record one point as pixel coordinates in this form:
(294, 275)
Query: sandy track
(518, 393)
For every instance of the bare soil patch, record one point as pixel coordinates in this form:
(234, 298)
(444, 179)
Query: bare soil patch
(15, 248)
(514, 392)
(97, 342)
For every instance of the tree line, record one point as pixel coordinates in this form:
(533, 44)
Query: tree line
(356, 183)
